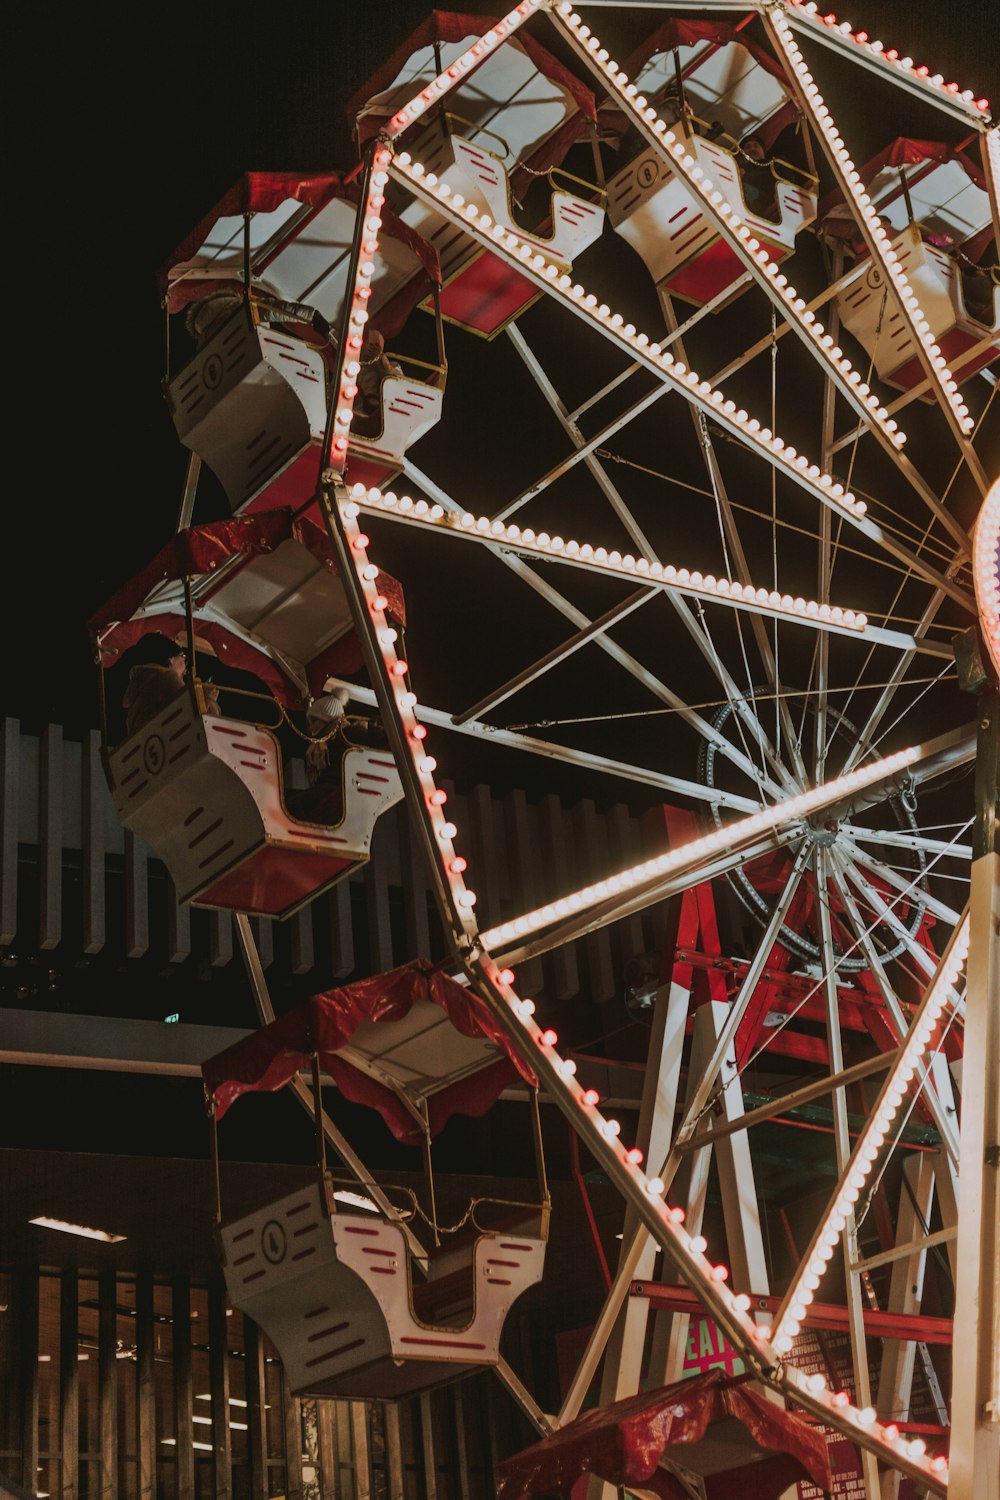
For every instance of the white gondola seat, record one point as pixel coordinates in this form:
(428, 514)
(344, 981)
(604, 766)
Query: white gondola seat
(337, 1296)
(652, 207)
(968, 340)
(263, 596)
(522, 102)
(729, 90)
(252, 403)
(352, 1306)
(206, 794)
(480, 291)
(933, 200)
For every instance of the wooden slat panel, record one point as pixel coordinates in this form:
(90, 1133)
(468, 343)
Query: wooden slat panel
(484, 862)
(376, 876)
(359, 1444)
(341, 930)
(253, 1359)
(136, 896)
(220, 938)
(218, 1374)
(461, 1447)
(178, 927)
(10, 807)
(180, 1304)
(69, 1386)
(327, 1450)
(522, 854)
(594, 865)
(625, 850)
(559, 860)
(107, 1379)
(415, 887)
(427, 1444)
(394, 1451)
(26, 1292)
(145, 1385)
(293, 1445)
(50, 836)
(92, 795)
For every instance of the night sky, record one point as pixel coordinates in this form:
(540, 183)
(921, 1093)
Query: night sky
(133, 120)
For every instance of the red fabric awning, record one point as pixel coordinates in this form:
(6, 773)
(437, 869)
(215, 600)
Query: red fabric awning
(201, 552)
(455, 26)
(263, 192)
(624, 1443)
(685, 32)
(902, 152)
(268, 1059)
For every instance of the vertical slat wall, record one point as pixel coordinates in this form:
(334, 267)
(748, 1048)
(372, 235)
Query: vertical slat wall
(145, 1349)
(69, 1386)
(354, 1449)
(180, 1307)
(520, 854)
(107, 1376)
(218, 1372)
(50, 837)
(93, 804)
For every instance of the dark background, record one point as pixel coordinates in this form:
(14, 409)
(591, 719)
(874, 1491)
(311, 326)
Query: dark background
(132, 122)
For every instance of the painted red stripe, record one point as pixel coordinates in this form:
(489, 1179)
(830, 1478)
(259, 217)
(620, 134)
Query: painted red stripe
(215, 854)
(316, 1311)
(297, 1208)
(332, 1354)
(324, 1333)
(255, 1277)
(302, 1254)
(205, 833)
(443, 1343)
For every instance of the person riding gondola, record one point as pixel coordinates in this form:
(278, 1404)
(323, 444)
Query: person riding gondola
(153, 684)
(376, 367)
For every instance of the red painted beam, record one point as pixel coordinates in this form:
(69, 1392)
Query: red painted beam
(880, 1325)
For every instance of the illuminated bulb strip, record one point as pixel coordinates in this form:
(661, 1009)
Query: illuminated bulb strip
(623, 1164)
(454, 74)
(885, 1440)
(824, 1242)
(809, 17)
(350, 363)
(878, 240)
(581, 554)
(535, 1045)
(701, 849)
(738, 235)
(415, 734)
(986, 569)
(507, 245)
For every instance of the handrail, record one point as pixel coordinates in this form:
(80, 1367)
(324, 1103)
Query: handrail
(593, 187)
(481, 130)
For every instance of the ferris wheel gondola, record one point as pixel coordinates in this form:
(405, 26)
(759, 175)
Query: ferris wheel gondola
(207, 791)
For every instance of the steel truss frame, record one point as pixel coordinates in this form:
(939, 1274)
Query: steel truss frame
(482, 957)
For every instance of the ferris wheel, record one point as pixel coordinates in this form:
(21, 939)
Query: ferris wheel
(683, 497)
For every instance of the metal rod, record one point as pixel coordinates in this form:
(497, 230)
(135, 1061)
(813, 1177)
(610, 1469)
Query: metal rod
(899, 1251)
(791, 1101)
